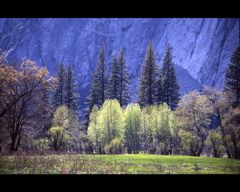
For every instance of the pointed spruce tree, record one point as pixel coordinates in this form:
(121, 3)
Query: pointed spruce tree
(148, 82)
(232, 77)
(71, 95)
(98, 85)
(124, 95)
(168, 88)
(113, 80)
(118, 83)
(59, 93)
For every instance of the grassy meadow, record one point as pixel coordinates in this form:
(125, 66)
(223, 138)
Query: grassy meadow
(116, 164)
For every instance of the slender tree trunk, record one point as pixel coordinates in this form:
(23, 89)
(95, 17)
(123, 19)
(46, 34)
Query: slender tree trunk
(223, 135)
(193, 153)
(12, 144)
(215, 152)
(201, 147)
(18, 143)
(235, 151)
(55, 145)
(13, 141)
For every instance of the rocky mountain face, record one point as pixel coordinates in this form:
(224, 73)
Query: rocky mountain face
(202, 47)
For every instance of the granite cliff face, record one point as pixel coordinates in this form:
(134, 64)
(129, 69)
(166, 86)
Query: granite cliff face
(202, 47)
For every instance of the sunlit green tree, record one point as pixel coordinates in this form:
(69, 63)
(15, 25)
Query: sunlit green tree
(132, 127)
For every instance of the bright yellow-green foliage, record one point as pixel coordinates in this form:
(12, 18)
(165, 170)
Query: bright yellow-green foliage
(163, 121)
(94, 131)
(60, 130)
(66, 130)
(59, 133)
(159, 130)
(132, 116)
(115, 146)
(60, 117)
(111, 121)
(56, 130)
(117, 164)
(146, 132)
(157, 127)
(164, 124)
(107, 124)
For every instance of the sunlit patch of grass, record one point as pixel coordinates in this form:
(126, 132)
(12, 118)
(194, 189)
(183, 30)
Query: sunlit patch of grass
(117, 164)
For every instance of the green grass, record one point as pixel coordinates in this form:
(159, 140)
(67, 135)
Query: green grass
(117, 164)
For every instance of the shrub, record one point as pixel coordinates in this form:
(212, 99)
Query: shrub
(42, 145)
(115, 147)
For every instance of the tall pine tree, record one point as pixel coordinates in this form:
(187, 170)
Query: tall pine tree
(114, 80)
(59, 94)
(148, 82)
(118, 86)
(232, 77)
(98, 86)
(124, 95)
(71, 96)
(100, 77)
(168, 88)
